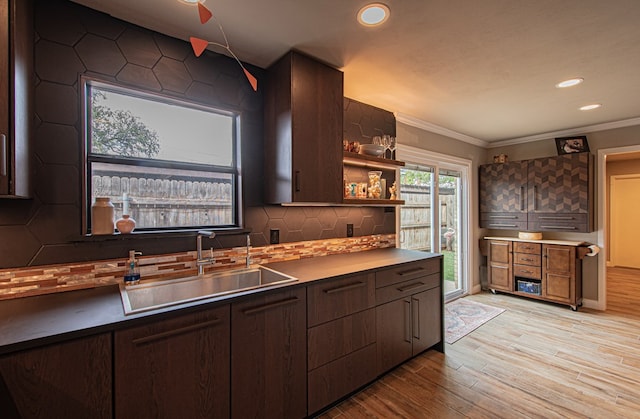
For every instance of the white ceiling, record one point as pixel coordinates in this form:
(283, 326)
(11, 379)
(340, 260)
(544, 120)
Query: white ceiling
(481, 68)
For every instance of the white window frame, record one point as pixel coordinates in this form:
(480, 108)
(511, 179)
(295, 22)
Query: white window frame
(422, 157)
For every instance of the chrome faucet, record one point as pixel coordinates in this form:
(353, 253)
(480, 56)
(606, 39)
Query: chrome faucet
(200, 262)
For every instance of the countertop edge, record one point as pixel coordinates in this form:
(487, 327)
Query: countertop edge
(34, 321)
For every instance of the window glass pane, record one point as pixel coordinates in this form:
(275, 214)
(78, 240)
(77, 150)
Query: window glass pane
(416, 219)
(129, 126)
(167, 163)
(166, 198)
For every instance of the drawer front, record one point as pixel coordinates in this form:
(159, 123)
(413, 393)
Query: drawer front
(506, 220)
(527, 259)
(533, 272)
(559, 222)
(406, 288)
(407, 271)
(335, 339)
(332, 299)
(339, 378)
(527, 247)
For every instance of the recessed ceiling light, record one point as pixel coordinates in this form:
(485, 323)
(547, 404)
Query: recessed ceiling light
(373, 14)
(590, 107)
(569, 83)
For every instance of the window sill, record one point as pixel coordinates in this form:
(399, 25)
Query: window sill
(137, 235)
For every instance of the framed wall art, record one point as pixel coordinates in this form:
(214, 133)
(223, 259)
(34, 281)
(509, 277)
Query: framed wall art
(575, 144)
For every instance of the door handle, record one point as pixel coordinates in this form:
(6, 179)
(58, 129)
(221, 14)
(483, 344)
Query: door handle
(407, 321)
(3, 155)
(347, 287)
(268, 306)
(174, 332)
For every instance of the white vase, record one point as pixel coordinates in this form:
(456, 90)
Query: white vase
(126, 224)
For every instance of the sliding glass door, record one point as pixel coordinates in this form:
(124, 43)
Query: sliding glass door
(434, 215)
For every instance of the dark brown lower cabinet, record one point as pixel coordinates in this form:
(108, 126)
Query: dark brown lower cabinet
(407, 327)
(174, 368)
(65, 380)
(268, 357)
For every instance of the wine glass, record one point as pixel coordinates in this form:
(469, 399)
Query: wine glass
(392, 147)
(385, 143)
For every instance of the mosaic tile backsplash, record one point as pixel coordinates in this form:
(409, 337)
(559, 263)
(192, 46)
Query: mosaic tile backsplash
(24, 282)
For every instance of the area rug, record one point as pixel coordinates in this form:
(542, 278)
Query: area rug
(463, 316)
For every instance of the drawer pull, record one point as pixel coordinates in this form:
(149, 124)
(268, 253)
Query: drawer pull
(348, 287)
(557, 218)
(505, 217)
(410, 271)
(525, 271)
(3, 155)
(269, 306)
(411, 287)
(502, 225)
(560, 227)
(175, 332)
(527, 259)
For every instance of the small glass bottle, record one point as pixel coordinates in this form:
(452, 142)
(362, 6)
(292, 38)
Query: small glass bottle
(102, 215)
(132, 274)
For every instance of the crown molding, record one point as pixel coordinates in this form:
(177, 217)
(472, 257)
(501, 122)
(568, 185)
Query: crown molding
(436, 129)
(567, 132)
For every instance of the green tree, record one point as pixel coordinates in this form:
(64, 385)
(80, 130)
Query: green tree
(120, 133)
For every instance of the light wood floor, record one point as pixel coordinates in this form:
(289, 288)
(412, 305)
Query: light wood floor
(535, 360)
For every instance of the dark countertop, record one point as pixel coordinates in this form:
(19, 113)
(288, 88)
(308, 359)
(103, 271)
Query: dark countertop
(34, 321)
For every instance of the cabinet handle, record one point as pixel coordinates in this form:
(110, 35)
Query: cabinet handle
(504, 217)
(3, 155)
(521, 198)
(559, 227)
(268, 306)
(568, 218)
(415, 303)
(407, 321)
(535, 198)
(342, 288)
(410, 271)
(502, 225)
(410, 287)
(175, 332)
(297, 180)
(526, 271)
(527, 259)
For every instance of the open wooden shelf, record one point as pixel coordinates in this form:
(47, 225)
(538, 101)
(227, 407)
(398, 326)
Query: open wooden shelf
(376, 202)
(355, 159)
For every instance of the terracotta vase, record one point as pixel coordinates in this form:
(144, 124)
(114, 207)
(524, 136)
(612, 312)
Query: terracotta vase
(126, 224)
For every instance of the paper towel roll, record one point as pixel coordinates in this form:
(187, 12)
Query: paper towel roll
(594, 250)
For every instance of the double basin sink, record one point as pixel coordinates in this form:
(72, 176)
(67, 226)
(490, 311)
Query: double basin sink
(152, 295)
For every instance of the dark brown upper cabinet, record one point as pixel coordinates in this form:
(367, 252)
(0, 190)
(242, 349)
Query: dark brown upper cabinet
(16, 96)
(303, 131)
(546, 194)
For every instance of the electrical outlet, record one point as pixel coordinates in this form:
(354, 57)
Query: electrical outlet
(274, 236)
(349, 230)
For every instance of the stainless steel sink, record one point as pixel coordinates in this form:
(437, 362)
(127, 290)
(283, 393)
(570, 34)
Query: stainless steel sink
(152, 295)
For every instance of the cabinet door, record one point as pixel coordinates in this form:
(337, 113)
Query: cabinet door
(65, 380)
(503, 199)
(426, 319)
(174, 368)
(268, 359)
(394, 334)
(500, 265)
(16, 95)
(559, 273)
(560, 197)
(303, 131)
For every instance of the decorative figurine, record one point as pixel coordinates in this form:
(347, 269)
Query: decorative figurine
(392, 191)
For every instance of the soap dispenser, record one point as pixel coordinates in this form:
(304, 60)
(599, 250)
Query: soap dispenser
(132, 275)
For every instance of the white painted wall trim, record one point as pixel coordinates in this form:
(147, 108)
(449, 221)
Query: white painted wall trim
(436, 129)
(601, 303)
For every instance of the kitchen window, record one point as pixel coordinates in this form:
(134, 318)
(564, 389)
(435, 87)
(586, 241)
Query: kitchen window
(168, 163)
